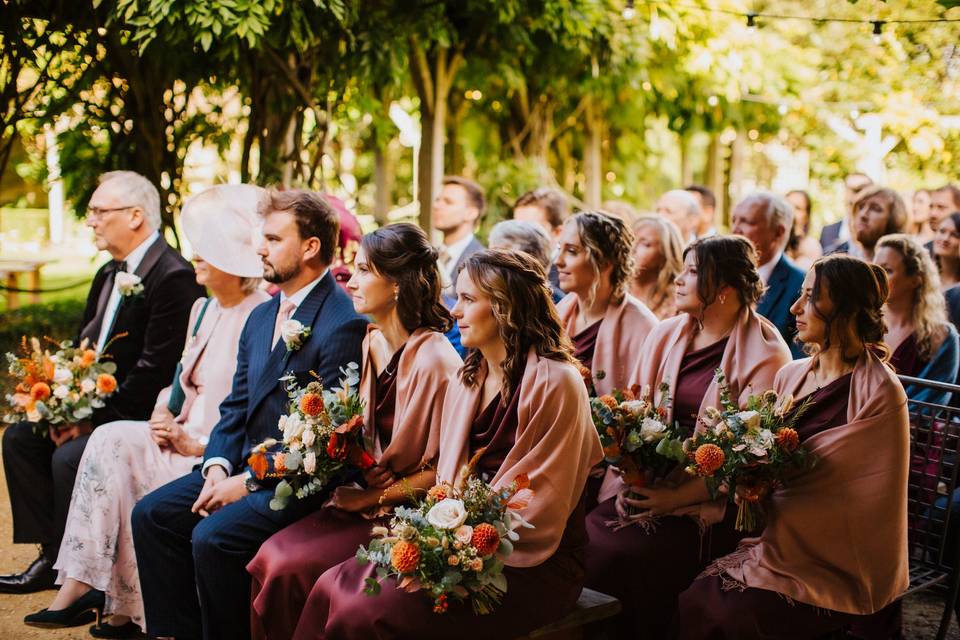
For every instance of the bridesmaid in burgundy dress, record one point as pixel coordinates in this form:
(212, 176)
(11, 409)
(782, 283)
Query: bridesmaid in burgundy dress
(924, 342)
(833, 554)
(407, 365)
(521, 397)
(607, 325)
(646, 562)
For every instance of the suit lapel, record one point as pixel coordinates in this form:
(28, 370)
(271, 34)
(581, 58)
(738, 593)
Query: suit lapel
(150, 259)
(775, 288)
(279, 356)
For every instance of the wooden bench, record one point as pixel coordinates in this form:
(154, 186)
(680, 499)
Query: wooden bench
(592, 606)
(10, 269)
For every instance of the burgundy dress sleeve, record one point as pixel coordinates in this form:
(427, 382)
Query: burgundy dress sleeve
(385, 398)
(906, 359)
(585, 343)
(696, 373)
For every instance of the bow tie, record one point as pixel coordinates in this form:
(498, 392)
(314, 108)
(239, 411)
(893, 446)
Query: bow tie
(119, 265)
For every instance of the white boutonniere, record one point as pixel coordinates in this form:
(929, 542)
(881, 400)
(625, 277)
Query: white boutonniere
(294, 333)
(128, 284)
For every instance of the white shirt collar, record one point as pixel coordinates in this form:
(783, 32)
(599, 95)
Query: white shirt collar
(766, 270)
(302, 293)
(135, 257)
(454, 251)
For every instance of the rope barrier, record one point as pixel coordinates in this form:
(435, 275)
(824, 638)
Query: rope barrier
(54, 290)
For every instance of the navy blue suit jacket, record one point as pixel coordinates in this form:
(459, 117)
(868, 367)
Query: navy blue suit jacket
(783, 289)
(250, 413)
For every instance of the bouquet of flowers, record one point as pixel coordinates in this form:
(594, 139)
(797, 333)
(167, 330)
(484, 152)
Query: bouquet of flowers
(58, 388)
(750, 450)
(636, 436)
(452, 543)
(322, 435)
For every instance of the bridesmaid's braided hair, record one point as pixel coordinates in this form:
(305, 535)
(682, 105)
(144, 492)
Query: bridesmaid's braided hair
(520, 299)
(402, 253)
(608, 241)
(857, 291)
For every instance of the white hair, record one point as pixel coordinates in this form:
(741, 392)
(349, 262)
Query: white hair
(693, 207)
(520, 235)
(776, 211)
(139, 192)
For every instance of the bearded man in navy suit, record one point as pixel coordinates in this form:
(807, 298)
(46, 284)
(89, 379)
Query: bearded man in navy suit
(766, 219)
(195, 535)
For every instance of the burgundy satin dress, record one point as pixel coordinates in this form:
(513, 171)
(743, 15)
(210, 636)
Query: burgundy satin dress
(585, 343)
(289, 562)
(709, 612)
(338, 609)
(906, 359)
(646, 571)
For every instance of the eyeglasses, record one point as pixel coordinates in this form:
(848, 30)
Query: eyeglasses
(96, 213)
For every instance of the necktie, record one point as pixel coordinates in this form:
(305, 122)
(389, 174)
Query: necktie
(286, 310)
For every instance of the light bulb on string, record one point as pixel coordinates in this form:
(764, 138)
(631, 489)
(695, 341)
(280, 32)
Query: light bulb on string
(752, 22)
(877, 31)
(629, 13)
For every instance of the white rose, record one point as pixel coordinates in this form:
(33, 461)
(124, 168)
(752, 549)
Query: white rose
(126, 282)
(310, 462)
(636, 407)
(766, 438)
(447, 514)
(290, 330)
(87, 385)
(61, 391)
(750, 419)
(652, 430)
(62, 375)
(292, 427)
(309, 437)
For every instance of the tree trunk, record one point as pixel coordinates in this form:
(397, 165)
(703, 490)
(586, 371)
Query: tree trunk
(382, 182)
(593, 156)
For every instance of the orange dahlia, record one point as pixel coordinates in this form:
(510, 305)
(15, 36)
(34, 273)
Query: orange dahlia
(40, 391)
(610, 401)
(709, 458)
(106, 383)
(311, 404)
(437, 492)
(485, 539)
(788, 439)
(405, 556)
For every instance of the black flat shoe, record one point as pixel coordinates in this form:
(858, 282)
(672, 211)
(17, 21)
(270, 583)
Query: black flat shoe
(39, 576)
(123, 631)
(86, 609)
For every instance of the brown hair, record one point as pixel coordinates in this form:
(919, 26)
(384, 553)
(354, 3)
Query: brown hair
(726, 261)
(608, 241)
(474, 191)
(553, 203)
(897, 216)
(858, 291)
(954, 193)
(526, 317)
(671, 247)
(402, 253)
(314, 216)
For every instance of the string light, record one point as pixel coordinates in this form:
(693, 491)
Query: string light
(877, 31)
(628, 11)
(752, 21)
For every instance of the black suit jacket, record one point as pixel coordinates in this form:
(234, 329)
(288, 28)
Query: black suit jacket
(830, 236)
(155, 324)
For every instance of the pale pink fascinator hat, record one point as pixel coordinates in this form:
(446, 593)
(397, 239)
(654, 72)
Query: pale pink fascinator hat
(222, 226)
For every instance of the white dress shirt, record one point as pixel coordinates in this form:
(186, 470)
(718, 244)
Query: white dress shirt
(297, 299)
(452, 254)
(133, 260)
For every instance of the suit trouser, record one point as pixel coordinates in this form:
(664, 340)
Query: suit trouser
(193, 570)
(40, 479)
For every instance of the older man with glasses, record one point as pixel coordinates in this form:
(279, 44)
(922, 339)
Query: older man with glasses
(137, 312)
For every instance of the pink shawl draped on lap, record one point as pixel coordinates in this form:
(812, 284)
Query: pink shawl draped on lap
(427, 365)
(556, 446)
(617, 354)
(836, 535)
(754, 353)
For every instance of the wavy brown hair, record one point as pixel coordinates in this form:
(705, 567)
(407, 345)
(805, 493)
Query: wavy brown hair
(857, 290)
(402, 253)
(520, 299)
(608, 241)
(726, 261)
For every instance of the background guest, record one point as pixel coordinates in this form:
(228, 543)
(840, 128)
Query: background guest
(529, 237)
(802, 248)
(456, 211)
(681, 208)
(839, 232)
(943, 201)
(920, 216)
(707, 225)
(923, 342)
(946, 250)
(194, 536)
(407, 365)
(347, 242)
(717, 328)
(658, 259)
(606, 324)
(521, 400)
(146, 330)
(766, 220)
(620, 209)
(126, 459)
(834, 549)
(878, 211)
(548, 208)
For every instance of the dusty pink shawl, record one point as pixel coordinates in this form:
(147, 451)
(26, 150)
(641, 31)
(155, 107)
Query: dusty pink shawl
(556, 446)
(617, 354)
(754, 353)
(836, 536)
(427, 365)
